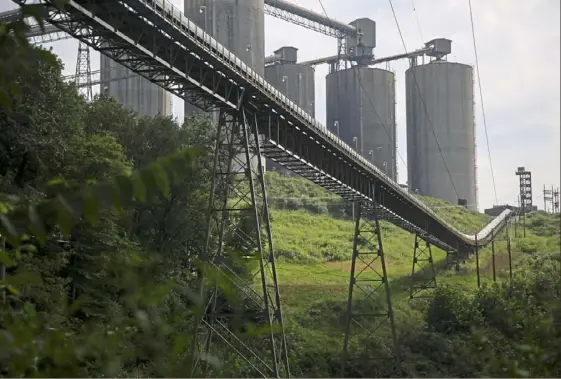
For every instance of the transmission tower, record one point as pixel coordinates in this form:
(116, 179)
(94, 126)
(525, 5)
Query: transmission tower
(83, 79)
(556, 200)
(239, 231)
(526, 205)
(547, 199)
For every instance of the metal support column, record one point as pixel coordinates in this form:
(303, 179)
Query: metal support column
(477, 262)
(2, 271)
(238, 223)
(452, 259)
(423, 274)
(493, 256)
(366, 309)
(509, 257)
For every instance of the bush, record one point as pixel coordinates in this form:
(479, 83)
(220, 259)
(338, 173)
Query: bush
(451, 312)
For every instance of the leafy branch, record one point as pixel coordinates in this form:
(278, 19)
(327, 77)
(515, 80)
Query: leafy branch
(68, 204)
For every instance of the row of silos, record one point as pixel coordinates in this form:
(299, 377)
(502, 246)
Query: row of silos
(441, 150)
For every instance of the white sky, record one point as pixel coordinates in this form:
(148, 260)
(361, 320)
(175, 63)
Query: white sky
(518, 45)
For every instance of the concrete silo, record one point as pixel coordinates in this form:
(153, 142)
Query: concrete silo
(239, 25)
(361, 110)
(439, 100)
(134, 92)
(294, 80)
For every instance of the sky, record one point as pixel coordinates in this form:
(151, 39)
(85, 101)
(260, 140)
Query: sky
(519, 61)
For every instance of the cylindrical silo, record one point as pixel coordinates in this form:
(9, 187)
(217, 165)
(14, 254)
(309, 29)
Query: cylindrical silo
(296, 81)
(134, 92)
(361, 110)
(239, 25)
(439, 97)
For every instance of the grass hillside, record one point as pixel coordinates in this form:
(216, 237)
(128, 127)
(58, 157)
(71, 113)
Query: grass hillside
(291, 193)
(314, 247)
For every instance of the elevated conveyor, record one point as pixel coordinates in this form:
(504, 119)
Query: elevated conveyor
(154, 39)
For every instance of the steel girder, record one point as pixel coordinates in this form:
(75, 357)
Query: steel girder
(301, 21)
(118, 32)
(239, 233)
(299, 152)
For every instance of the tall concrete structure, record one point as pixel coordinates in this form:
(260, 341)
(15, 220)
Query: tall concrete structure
(135, 92)
(441, 93)
(361, 110)
(296, 81)
(239, 25)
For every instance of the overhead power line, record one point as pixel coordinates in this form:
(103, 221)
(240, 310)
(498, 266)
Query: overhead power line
(481, 98)
(423, 103)
(418, 23)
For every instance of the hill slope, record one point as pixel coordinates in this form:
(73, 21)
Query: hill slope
(314, 248)
(285, 192)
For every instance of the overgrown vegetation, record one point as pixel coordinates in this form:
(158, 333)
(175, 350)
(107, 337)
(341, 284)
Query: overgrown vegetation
(103, 218)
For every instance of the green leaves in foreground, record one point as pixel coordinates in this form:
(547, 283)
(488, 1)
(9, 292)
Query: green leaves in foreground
(69, 205)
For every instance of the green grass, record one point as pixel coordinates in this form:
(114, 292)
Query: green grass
(314, 250)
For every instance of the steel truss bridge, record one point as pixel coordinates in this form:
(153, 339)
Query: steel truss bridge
(154, 39)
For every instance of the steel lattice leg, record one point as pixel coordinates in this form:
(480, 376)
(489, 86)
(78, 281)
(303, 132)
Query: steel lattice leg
(238, 223)
(423, 274)
(365, 310)
(452, 260)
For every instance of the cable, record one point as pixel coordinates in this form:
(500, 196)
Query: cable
(373, 107)
(481, 98)
(418, 23)
(423, 102)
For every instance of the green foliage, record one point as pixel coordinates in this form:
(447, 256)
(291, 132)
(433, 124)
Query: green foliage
(92, 290)
(451, 312)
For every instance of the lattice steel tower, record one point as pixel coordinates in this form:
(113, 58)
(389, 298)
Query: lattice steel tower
(83, 79)
(525, 189)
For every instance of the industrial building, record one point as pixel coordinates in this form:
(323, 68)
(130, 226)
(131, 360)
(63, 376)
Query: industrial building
(132, 90)
(296, 81)
(440, 124)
